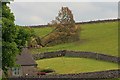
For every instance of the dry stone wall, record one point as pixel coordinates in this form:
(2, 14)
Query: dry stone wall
(93, 55)
(81, 76)
(80, 54)
(99, 75)
(49, 55)
(77, 23)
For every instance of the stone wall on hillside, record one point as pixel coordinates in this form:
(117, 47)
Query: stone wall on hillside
(77, 23)
(80, 54)
(93, 55)
(49, 55)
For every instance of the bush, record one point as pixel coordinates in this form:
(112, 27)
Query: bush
(47, 70)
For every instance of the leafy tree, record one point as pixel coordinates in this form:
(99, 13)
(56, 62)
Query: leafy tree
(65, 28)
(9, 34)
(65, 16)
(24, 35)
(14, 38)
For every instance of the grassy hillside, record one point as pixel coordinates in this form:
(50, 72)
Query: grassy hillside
(42, 31)
(63, 65)
(97, 37)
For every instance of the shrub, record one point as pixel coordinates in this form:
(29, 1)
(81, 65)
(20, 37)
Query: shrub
(47, 70)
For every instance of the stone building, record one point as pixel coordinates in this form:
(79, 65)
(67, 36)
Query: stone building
(26, 65)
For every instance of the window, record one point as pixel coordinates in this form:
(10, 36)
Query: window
(16, 71)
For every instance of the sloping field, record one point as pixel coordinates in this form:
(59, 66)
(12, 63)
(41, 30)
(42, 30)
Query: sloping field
(42, 31)
(97, 37)
(64, 65)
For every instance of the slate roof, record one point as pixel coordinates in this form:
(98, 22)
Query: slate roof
(25, 58)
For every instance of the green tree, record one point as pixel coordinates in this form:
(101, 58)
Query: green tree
(14, 38)
(24, 35)
(9, 34)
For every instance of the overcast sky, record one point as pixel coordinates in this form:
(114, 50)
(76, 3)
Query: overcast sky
(34, 13)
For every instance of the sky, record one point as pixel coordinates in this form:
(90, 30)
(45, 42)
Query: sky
(38, 13)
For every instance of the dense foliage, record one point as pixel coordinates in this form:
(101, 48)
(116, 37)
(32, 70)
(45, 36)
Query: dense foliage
(14, 38)
(24, 36)
(9, 34)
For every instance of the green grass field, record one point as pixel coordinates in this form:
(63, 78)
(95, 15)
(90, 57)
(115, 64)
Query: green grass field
(42, 31)
(64, 65)
(97, 37)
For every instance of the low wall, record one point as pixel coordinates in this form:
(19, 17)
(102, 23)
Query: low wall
(80, 54)
(99, 75)
(77, 23)
(49, 55)
(93, 55)
(98, 21)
